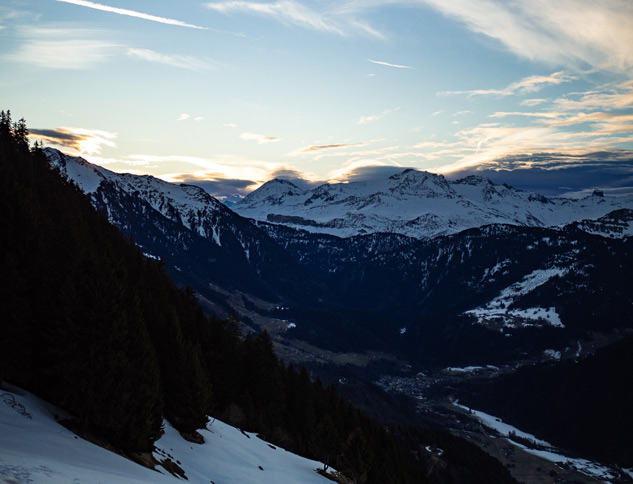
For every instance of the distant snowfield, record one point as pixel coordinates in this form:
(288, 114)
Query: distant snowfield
(35, 449)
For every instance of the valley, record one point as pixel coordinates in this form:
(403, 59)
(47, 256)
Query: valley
(529, 460)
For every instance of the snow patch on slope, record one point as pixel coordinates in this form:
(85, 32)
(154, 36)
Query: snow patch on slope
(499, 314)
(38, 450)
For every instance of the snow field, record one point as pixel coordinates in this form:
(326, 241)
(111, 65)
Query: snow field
(36, 449)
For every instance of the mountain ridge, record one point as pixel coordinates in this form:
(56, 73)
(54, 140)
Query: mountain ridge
(416, 204)
(200, 239)
(359, 292)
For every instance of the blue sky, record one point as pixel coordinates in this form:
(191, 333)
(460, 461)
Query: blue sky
(236, 92)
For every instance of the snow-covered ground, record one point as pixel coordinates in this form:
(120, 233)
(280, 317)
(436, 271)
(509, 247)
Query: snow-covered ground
(546, 450)
(497, 313)
(35, 449)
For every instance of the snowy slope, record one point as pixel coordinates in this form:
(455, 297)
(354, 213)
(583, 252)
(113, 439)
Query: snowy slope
(35, 449)
(416, 204)
(202, 243)
(187, 205)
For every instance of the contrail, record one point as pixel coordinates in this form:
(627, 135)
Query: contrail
(132, 13)
(389, 65)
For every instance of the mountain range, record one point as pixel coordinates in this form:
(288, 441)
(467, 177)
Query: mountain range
(416, 204)
(438, 272)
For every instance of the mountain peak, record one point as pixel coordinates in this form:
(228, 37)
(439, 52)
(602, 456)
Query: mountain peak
(273, 192)
(473, 180)
(417, 182)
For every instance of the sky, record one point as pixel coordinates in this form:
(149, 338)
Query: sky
(229, 94)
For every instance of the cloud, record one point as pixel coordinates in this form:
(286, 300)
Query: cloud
(292, 12)
(303, 180)
(368, 173)
(576, 123)
(545, 114)
(52, 48)
(283, 10)
(616, 96)
(524, 86)
(582, 32)
(260, 138)
(181, 61)
(545, 173)
(79, 140)
(131, 13)
(175, 167)
(320, 148)
(217, 185)
(364, 170)
(375, 117)
(185, 117)
(230, 125)
(532, 102)
(390, 65)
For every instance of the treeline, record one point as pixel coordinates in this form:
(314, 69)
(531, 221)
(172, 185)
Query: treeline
(90, 324)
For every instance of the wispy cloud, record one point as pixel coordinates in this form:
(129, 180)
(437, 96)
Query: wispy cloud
(545, 114)
(389, 64)
(283, 10)
(363, 170)
(617, 96)
(575, 123)
(131, 13)
(54, 48)
(78, 140)
(293, 12)
(583, 32)
(337, 146)
(187, 116)
(375, 117)
(526, 85)
(260, 138)
(181, 61)
(533, 102)
(176, 168)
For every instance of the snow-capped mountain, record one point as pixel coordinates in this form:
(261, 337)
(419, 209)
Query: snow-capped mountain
(416, 204)
(187, 205)
(202, 242)
(479, 292)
